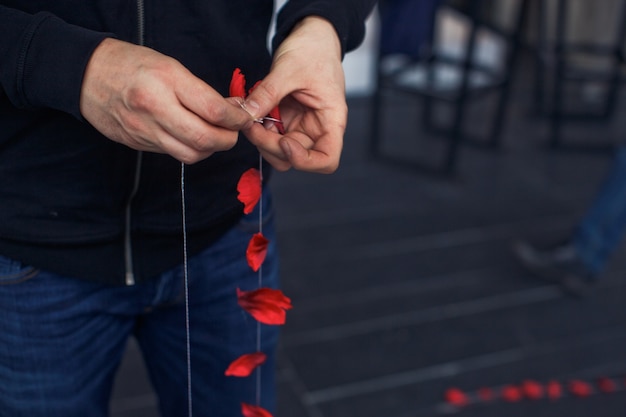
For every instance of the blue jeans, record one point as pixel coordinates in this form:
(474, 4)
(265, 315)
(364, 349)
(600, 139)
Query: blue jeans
(62, 339)
(600, 232)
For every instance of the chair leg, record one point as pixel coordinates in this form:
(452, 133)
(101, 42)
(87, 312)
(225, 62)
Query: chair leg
(376, 118)
(618, 57)
(454, 139)
(540, 56)
(512, 58)
(556, 115)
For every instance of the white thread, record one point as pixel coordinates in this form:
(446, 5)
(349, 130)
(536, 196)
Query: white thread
(258, 326)
(186, 281)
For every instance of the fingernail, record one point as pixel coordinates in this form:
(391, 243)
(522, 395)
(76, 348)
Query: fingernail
(252, 107)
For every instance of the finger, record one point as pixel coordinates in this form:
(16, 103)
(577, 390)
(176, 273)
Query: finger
(268, 140)
(209, 105)
(161, 141)
(265, 140)
(265, 135)
(322, 158)
(183, 153)
(195, 132)
(267, 94)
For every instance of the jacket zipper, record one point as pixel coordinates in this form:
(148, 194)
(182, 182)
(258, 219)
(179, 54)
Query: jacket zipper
(128, 248)
(128, 244)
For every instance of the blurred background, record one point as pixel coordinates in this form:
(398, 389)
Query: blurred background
(473, 125)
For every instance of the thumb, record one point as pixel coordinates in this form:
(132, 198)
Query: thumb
(265, 96)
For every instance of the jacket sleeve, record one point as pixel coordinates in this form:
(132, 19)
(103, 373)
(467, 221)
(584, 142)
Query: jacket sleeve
(43, 60)
(347, 16)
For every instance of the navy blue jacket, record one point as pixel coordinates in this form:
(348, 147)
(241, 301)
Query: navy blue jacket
(66, 192)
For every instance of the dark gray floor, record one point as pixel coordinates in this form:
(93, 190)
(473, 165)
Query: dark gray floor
(403, 285)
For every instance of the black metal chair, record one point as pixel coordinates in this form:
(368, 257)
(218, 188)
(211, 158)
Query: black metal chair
(421, 56)
(554, 71)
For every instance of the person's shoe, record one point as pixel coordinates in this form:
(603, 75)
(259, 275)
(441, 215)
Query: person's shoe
(557, 265)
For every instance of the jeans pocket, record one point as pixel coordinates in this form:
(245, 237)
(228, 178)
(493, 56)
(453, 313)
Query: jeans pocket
(13, 272)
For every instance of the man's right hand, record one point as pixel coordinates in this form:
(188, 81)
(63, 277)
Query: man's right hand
(150, 102)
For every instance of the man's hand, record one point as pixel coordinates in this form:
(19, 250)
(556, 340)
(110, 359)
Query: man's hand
(150, 102)
(307, 80)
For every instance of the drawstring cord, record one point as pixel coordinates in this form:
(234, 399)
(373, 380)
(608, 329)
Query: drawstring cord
(186, 282)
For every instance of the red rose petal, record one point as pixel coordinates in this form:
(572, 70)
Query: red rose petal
(511, 393)
(580, 388)
(266, 305)
(245, 364)
(249, 189)
(237, 84)
(254, 411)
(257, 250)
(607, 385)
(532, 390)
(486, 394)
(456, 397)
(554, 390)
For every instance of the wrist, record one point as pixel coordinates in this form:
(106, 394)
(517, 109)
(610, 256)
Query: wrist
(320, 29)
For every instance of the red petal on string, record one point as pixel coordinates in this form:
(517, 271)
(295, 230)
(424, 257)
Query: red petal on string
(257, 250)
(456, 397)
(580, 388)
(254, 86)
(511, 393)
(275, 114)
(607, 385)
(532, 390)
(254, 411)
(486, 394)
(554, 390)
(266, 305)
(249, 189)
(237, 84)
(245, 364)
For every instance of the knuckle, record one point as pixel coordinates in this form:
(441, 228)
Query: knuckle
(216, 112)
(330, 168)
(326, 169)
(209, 142)
(132, 123)
(265, 93)
(268, 89)
(138, 98)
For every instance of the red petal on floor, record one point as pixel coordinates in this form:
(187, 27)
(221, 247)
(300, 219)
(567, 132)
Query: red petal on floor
(456, 397)
(245, 364)
(249, 189)
(257, 250)
(607, 385)
(554, 390)
(254, 411)
(580, 388)
(511, 393)
(532, 390)
(266, 305)
(237, 84)
(486, 394)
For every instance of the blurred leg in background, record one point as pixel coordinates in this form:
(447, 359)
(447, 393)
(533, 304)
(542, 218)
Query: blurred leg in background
(578, 261)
